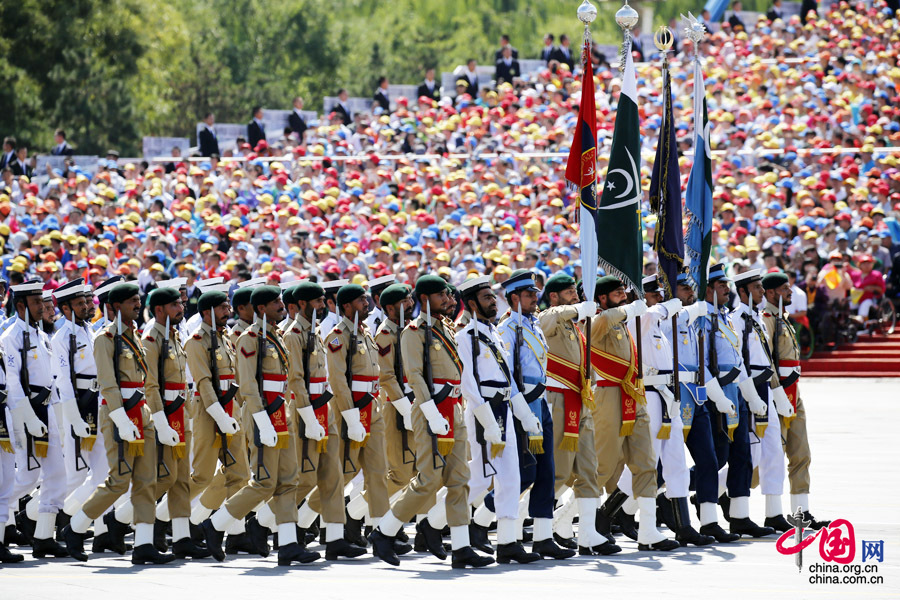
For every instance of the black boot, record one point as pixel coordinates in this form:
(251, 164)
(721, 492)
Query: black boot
(665, 545)
(814, 524)
(62, 519)
(401, 536)
(74, 544)
(746, 526)
(188, 548)
(605, 549)
(684, 533)
(627, 524)
(434, 541)
(383, 547)
(13, 537)
(159, 536)
(237, 543)
(664, 513)
(342, 548)
(43, 548)
(466, 557)
(116, 530)
(567, 543)
(778, 523)
(725, 503)
(213, 540)
(515, 551)
(148, 554)
(353, 531)
(548, 549)
(401, 548)
(720, 535)
(258, 536)
(607, 511)
(196, 533)
(8, 557)
(293, 552)
(25, 526)
(478, 538)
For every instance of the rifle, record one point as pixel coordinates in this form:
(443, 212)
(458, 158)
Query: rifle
(713, 353)
(398, 373)
(301, 425)
(260, 350)
(348, 372)
(776, 355)
(221, 398)
(479, 428)
(117, 355)
(675, 380)
(80, 463)
(437, 461)
(161, 466)
(521, 437)
(32, 462)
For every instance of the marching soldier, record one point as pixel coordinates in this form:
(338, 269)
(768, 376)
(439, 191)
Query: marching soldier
(376, 288)
(262, 365)
(243, 309)
(786, 356)
(525, 342)
(620, 414)
(433, 371)
(318, 447)
(106, 316)
(130, 438)
(331, 306)
(32, 422)
(353, 376)
(492, 398)
(7, 471)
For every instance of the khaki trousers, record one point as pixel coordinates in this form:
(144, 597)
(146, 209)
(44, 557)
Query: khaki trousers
(577, 469)
(635, 450)
(214, 483)
(326, 482)
(371, 460)
(796, 447)
(398, 474)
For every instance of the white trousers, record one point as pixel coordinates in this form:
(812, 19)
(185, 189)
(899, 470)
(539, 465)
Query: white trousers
(7, 481)
(670, 451)
(507, 482)
(768, 454)
(52, 472)
(86, 480)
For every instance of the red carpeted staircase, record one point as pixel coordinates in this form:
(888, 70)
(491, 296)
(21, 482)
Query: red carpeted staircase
(870, 356)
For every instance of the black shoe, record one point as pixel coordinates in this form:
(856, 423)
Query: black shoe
(196, 533)
(434, 542)
(720, 535)
(725, 503)
(681, 524)
(615, 529)
(401, 548)
(237, 543)
(188, 548)
(814, 523)
(258, 536)
(515, 551)
(353, 531)
(25, 526)
(747, 527)
(548, 549)
(116, 531)
(14, 537)
(466, 557)
(478, 538)
(401, 536)
(419, 543)
(603, 525)
(159, 535)
(665, 545)
(147, 553)
(44, 548)
(689, 535)
(665, 514)
(778, 523)
(8, 557)
(606, 548)
(213, 540)
(74, 544)
(62, 519)
(567, 543)
(313, 532)
(342, 548)
(627, 524)
(383, 547)
(293, 552)
(104, 542)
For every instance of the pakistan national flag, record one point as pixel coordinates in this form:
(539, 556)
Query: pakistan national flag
(619, 239)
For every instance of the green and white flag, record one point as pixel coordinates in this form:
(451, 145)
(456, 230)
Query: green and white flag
(619, 238)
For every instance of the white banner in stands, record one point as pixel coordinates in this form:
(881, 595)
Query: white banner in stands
(162, 146)
(228, 133)
(85, 163)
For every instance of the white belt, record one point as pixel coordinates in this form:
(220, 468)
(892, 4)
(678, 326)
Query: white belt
(273, 386)
(172, 395)
(317, 388)
(658, 379)
(553, 384)
(86, 384)
(489, 392)
(785, 371)
(364, 386)
(687, 377)
(407, 390)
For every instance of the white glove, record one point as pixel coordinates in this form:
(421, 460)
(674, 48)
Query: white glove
(696, 310)
(723, 404)
(403, 406)
(586, 309)
(128, 431)
(24, 415)
(314, 429)
(635, 309)
(782, 404)
(748, 391)
(164, 432)
(71, 414)
(267, 435)
(436, 421)
(672, 306)
(522, 412)
(355, 430)
(485, 416)
(228, 425)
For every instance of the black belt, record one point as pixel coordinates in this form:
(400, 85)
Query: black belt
(729, 377)
(764, 375)
(321, 400)
(535, 393)
(790, 379)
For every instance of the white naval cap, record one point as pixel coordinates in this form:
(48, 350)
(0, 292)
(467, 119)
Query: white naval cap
(381, 281)
(30, 288)
(174, 283)
(474, 284)
(76, 287)
(47, 295)
(747, 277)
(219, 287)
(252, 282)
(205, 283)
(334, 285)
(107, 285)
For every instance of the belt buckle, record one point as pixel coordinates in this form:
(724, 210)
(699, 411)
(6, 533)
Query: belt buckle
(95, 385)
(456, 391)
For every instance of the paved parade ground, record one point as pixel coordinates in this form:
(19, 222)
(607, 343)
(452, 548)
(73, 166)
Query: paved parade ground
(853, 427)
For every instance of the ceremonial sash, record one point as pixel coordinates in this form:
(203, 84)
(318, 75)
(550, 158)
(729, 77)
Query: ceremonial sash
(320, 409)
(40, 404)
(176, 416)
(622, 373)
(364, 389)
(449, 346)
(447, 408)
(135, 413)
(273, 388)
(731, 392)
(790, 387)
(224, 382)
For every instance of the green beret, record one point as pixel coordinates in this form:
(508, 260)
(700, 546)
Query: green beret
(306, 291)
(163, 296)
(211, 300)
(263, 294)
(287, 295)
(349, 293)
(558, 283)
(241, 297)
(430, 284)
(771, 281)
(607, 284)
(395, 293)
(122, 292)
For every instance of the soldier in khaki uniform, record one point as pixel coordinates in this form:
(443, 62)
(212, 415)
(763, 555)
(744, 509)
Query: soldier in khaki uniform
(621, 424)
(355, 402)
(786, 354)
(212, 420)
(273, 457)
(445, 420)
(569, 396)
(132, 462)
(318, 447)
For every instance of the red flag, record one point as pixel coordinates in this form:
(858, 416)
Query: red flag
(580, 168)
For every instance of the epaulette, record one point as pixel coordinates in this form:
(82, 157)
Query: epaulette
(251, 334)
(108, 334)
(767, 314)
(413, 326)
(337, 329)
(197, 336)
(296, 330)
(384, 332)
(150, 337)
